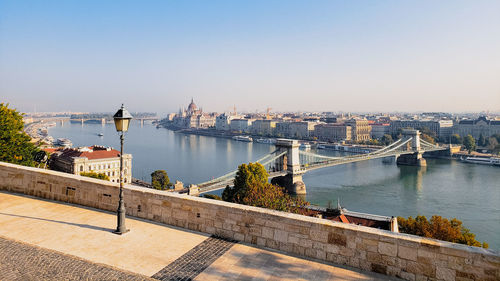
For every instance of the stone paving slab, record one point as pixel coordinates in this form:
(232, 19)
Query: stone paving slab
(244, 262)
(76, 242)
(87, 233)
(21, 261)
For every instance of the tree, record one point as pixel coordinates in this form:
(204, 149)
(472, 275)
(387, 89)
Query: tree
(439, 228)
(428, 138)
(456, 139)
(469, 143)
(251, 187)
(100, 176)
(386, 139)
(160, 180)
(429, 133)
(492, 144)
(266, 195)
(481, 141)
(245, 176)
(15, 145)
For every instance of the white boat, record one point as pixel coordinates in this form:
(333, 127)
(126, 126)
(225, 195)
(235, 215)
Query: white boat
(267, 141)
(243, 138)
(63, 142)
(320, 146)
(492, 161)
(100, 134)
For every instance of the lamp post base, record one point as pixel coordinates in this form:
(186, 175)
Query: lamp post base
(120, 232)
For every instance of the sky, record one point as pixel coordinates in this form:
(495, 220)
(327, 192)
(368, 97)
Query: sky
(350, 56)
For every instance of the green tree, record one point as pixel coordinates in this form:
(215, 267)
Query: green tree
(100, 176)
(246, 175)
(439, 228)
(15, 145)
(469, 143)
(456, 139)
(251, 187)
(160, 180)
(386, 139)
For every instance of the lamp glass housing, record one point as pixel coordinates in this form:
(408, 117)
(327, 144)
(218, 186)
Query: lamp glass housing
(122, 119)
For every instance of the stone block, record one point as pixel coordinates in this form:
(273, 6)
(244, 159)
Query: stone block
(379, 268)
(281, 236)
(407, 276)
(387, 249)
(445, 274)
(407, 253)
(267, 232)
(337, 239)
(318, 235)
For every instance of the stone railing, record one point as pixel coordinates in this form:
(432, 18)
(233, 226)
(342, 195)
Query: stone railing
(406, 256)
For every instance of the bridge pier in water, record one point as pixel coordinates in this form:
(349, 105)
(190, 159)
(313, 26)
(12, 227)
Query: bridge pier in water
(292, 181)
(416, 158)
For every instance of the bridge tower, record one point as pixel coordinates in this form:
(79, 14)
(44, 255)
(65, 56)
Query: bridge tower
(291, 162)
(414, 157)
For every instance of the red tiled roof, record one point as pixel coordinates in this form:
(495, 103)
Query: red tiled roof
(91, 155)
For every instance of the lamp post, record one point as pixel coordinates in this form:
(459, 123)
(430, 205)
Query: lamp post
(122, 120)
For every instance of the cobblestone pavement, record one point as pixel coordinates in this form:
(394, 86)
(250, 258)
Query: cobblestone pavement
(20, 261)
(192, 263)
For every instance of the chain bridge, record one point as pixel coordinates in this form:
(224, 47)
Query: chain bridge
(288, 163)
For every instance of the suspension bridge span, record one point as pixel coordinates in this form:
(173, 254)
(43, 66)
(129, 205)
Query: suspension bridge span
(288, 163)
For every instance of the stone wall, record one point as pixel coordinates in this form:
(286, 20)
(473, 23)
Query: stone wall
(406, 256)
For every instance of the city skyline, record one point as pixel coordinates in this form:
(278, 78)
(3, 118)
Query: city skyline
(290, 56)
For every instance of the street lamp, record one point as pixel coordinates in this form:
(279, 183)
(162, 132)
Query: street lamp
(122, 120)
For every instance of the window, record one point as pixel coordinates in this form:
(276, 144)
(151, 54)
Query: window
(81, 168)
(113, 173)
(90, 168)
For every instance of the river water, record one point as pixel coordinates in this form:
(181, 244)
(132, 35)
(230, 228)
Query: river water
(449, 188)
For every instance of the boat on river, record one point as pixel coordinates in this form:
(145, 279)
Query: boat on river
(243, 138)
(63, 142)
(492, 161)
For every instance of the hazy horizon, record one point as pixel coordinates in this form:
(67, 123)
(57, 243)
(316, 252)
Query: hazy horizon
(350, 56)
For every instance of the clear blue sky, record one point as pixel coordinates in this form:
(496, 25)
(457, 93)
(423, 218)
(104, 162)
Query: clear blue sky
(288, 55)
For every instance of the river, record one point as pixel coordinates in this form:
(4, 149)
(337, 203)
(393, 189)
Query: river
(449, 188)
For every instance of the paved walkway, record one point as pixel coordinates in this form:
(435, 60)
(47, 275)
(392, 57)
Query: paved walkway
(46, 240)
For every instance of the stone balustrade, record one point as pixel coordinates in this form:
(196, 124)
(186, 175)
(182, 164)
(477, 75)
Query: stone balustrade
(405, 256)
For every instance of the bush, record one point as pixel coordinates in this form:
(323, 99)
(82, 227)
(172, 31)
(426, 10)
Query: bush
(212, 196)
(100, 176)
(439, 228)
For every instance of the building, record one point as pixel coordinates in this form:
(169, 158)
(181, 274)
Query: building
(361, 129)
(223, 122)
(97, 159)
(193, 117)
(241, 125)
(476, 128)
(379, 130)
(263, 127)
(333, 132)
(441, 128)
